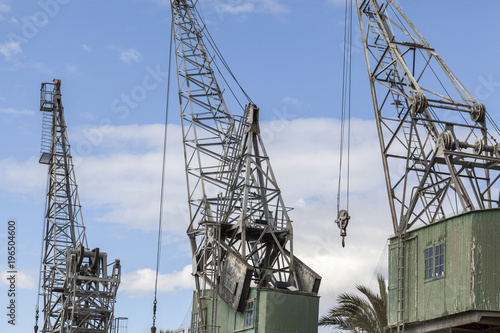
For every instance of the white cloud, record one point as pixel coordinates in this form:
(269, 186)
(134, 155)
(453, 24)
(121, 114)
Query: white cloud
(87, 115)
(16, 111)
(271, 6)
(291, 101)
(118, 169)
(22, 177)
(336, 2)
(71, 69)
(22, 279)
(130, 55)
(140, 282)
(30, 65)
(4, 8)
(249, 6)
(119, 172)
(86, 48)
(237, 7)
(10, 49)
(119, 182)
(127, 56)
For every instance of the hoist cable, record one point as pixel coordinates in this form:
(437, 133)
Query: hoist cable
(162, 191)
(349, 108)
(346, 103)
(222, 59)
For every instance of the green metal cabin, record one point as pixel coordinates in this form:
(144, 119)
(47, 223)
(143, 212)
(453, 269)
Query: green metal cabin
(267, 311)
(452, 275)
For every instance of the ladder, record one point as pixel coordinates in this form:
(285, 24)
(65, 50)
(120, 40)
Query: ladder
(400, 326)
(47, 106)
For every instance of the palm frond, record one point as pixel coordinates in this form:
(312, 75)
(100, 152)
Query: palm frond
(356, 313)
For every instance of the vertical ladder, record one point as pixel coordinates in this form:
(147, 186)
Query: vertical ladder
(47, 107)
(401, 282)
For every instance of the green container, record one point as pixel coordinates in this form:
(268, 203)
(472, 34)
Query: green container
(452, 268)
(267, 310)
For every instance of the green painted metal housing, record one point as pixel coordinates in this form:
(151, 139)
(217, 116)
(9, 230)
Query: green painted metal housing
(267, 310)
(463, 275)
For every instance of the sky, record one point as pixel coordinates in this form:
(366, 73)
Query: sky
(288, 57)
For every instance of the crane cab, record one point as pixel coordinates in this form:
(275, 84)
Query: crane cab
(452, 275)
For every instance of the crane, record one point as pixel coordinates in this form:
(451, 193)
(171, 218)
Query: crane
(78, 285)
(439, 149)
(239, 229)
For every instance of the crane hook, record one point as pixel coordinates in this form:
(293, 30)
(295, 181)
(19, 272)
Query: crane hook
(342, 222)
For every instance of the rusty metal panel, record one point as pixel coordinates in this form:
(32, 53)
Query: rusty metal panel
(285, 311)
(411, 279)
(392, 311)
(486, 260)
(307, 279)
(235, 280)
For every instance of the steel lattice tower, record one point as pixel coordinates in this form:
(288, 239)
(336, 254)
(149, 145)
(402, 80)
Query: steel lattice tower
(239, 229)
(78, 293)
(439, 154)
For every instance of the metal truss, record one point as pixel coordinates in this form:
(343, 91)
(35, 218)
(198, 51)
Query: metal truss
(439, 157)
(78, 294)
(239, 227)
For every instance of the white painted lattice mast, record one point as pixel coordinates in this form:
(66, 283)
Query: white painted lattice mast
(439, 148)
(78, 291)
(239, 228)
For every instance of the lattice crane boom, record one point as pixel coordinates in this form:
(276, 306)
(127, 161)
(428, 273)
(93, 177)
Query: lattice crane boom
(78, 292)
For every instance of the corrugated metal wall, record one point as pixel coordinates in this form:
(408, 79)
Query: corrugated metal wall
(471, 279)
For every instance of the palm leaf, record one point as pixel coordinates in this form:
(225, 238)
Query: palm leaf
(355, 313)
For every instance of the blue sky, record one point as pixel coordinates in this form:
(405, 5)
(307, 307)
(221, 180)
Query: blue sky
(288, 57)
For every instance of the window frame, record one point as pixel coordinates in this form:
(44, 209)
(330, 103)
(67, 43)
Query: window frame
(249, 314)
(194, 322)
(434, 261)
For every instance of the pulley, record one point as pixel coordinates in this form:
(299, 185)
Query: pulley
(419, 103)
(477, 112)
(342, 222)
(444, 141)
